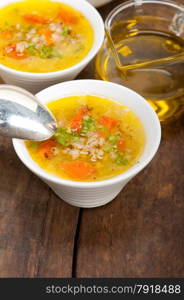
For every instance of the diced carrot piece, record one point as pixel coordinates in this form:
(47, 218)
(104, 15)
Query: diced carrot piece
(31, 18)
(101, 133)
(108, 122)
(121, 145)
(11, 52)
(48, 36)
(67, 17)
(45, 149)
(78, 169)
(76, 122)
(6, 34)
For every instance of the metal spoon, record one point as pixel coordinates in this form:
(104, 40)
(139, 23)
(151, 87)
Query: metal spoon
(23, 117)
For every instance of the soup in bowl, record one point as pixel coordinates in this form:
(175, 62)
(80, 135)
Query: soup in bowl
(48, 41)
(97, 139)
(106, 135)
(48, 37)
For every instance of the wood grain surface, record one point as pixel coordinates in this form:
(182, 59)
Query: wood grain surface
(139, 234)
(37, 229)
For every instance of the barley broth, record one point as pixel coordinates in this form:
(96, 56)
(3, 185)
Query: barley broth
(97, 139)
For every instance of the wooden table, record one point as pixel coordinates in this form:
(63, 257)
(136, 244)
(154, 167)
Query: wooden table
(139, 234)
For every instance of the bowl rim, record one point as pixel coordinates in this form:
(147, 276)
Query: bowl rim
(35, 168)
(97, 43)
(96, 4)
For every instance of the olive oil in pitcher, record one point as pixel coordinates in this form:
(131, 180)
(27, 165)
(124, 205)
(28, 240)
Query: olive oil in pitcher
(151, 62)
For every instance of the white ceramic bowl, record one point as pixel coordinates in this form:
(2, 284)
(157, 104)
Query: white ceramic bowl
(35, 82)
(92, 194)
(98, 3)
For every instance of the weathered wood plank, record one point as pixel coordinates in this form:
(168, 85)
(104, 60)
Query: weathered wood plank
(141, 233)
(36, 228)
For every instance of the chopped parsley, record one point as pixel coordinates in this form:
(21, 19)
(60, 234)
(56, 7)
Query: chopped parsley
(88, 124)
(46, 52)
(121, 160)
(113, 139)
(32, 49)
(66, 137)
(65, 31)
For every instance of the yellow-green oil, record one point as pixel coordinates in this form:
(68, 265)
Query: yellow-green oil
(149, 62)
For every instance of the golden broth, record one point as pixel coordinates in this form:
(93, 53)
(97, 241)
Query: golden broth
(97, 139)
(43, 36)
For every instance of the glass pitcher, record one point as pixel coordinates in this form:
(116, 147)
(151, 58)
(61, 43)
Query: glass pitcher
(144, 50)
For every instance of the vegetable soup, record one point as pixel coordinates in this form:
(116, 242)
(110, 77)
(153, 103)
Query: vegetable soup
(96, 139)
(43, 36)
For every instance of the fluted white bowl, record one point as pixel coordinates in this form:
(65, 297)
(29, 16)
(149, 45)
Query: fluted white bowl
(35, 82)
(92, 194)
(98, 3)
